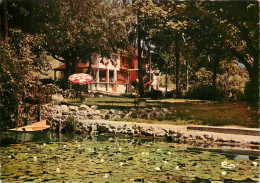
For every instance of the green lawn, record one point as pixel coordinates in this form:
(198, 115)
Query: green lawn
(188, 111)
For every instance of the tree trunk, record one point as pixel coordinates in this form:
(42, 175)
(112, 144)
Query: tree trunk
(67, 71)
(254, 83)
(166, 80)
(177, 57)
(187, 74)
(90, 63)
(4, 21)
(214, 77)
(140, 61)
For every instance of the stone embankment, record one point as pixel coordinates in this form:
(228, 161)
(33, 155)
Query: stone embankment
(92, 120)
(84, 112)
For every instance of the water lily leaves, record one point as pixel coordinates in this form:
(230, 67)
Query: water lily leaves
(239, 178)
(118, 161)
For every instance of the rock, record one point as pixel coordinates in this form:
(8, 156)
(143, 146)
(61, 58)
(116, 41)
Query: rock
(107, 116)
(152, 115)
(94, 107)
(143, 115)
(104, 111)
(96, 112)
(64, 108)
(83, 107)
(85, 100)
(112, 111)
(57, 98)
(165, 110)
(160, 115)
(97, 117)
(73, 108)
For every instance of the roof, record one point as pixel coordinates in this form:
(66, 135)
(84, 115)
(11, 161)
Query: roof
(79, 66)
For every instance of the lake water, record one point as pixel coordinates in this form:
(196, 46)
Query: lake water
(81, 158)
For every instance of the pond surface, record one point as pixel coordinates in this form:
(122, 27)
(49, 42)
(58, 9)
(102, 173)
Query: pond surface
(107, 159)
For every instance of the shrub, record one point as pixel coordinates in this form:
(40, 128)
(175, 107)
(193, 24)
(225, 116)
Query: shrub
(70, 124)
(154, 94)
(170, 94)
(251, 96)
(127, 95)
(63, 84)
(204, 92)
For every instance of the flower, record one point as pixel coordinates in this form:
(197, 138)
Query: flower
(35, 158)
(169, 153)
(177, 168)
(120, 148)
(255, 163)
(223, 173)
(102, 160)
(28, 149)
(147, 153)
(225, 164)
(165, 162)
(121, 163)
(10, 157)
(105, 176)
(143, 153)
(57, 170)
(64, 146)
(44, 144)
(158, 150)
(90, 160)
(157, 168)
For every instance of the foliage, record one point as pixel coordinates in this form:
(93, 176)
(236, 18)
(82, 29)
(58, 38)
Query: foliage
(154, 94)
(74, 30)
(70, 124)
(20, 57)
(63, 84)
(204, 92)
(127, 95)
(122, 160)
(249, 94)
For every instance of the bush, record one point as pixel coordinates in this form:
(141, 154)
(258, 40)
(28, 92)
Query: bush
(154, 94)
(63, 84)
(251, 96)
(70, 124)
(170, 94)
(204, 92)
(127, 95)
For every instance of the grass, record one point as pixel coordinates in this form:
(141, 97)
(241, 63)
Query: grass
(188, 111)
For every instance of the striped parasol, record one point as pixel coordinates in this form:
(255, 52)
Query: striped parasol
(80, 78)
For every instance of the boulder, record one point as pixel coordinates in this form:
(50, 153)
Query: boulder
(142, 115)
(165, 110)
(83, 107)
(104, 111)
(96, 112)
(57, 98)
(64, 108)
(73, 108)
(112, 111)
(94, 107)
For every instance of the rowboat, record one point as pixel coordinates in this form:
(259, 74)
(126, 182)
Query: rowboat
(38, 126)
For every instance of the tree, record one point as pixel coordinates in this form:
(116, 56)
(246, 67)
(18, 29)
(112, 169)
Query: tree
(74, 30)
(20, 56)
(240, 22)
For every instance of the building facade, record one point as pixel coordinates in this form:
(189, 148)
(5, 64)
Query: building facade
(109, 75)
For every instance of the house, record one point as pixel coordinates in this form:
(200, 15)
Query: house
(109, 75)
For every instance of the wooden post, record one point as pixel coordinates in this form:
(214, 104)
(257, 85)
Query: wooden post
(39, 109)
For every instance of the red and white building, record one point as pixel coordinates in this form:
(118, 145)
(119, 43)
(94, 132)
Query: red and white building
(109, 75)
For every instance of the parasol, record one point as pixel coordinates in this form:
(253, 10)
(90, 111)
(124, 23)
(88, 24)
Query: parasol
(80, 78)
